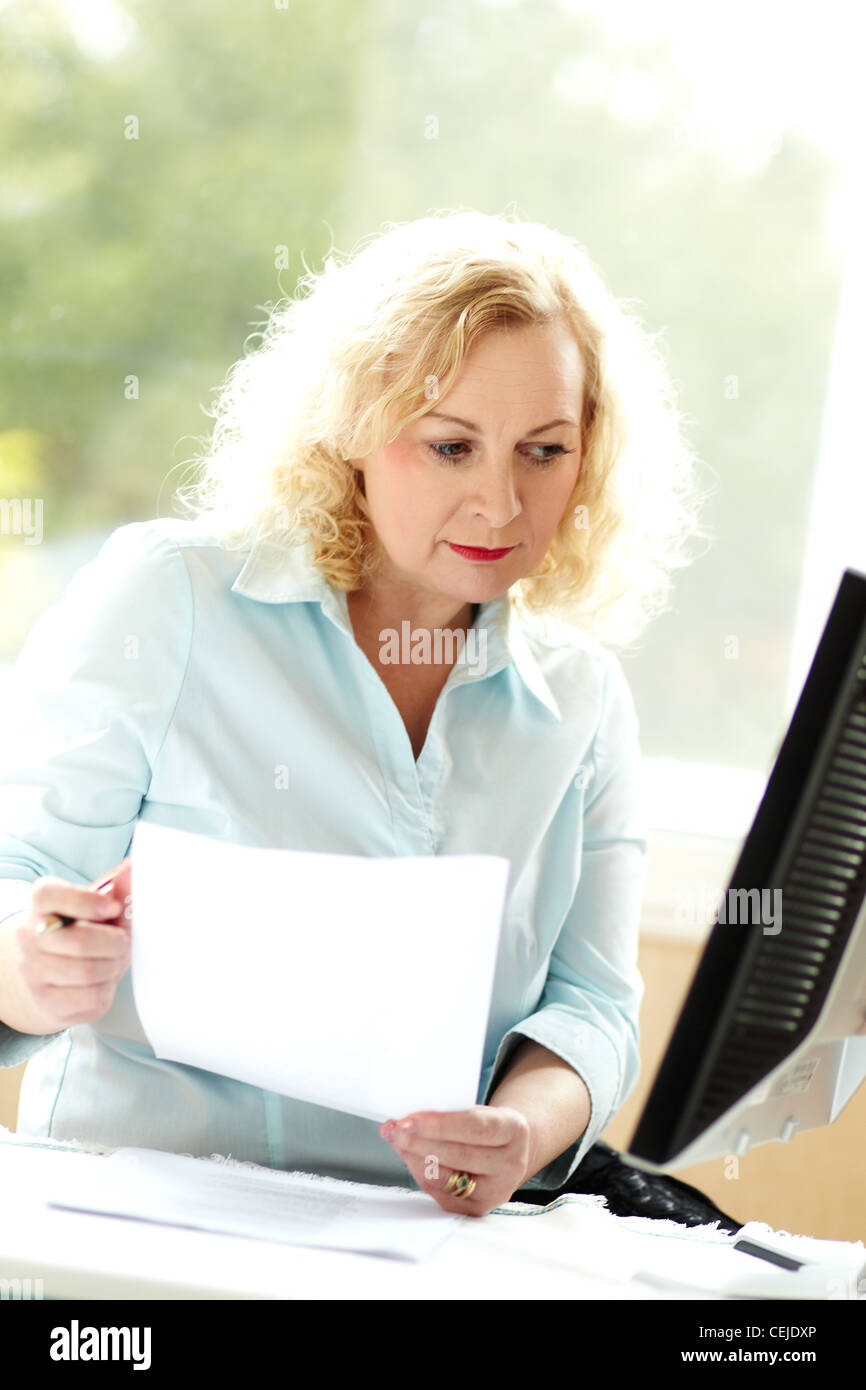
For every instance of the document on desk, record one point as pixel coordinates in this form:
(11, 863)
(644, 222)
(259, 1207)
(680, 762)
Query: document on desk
(361, 984)
(261, 1204)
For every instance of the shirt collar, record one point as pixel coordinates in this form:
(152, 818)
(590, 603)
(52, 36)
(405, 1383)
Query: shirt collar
(277, 574)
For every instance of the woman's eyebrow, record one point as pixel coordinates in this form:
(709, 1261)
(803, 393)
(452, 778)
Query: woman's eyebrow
(467, 424)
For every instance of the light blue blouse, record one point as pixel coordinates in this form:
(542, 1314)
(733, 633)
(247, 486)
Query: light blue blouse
(223, 692)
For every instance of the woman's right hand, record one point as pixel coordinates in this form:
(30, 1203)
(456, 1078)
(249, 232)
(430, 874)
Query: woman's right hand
(70, 975)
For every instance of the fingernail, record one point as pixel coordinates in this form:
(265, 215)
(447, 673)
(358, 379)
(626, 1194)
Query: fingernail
(407, 1126)
(387, 1129)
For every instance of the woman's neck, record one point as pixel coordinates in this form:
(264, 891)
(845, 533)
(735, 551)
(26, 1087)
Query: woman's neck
(374, 612)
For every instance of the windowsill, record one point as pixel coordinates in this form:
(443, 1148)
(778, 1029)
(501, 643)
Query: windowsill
(686, 876)
(689, 869)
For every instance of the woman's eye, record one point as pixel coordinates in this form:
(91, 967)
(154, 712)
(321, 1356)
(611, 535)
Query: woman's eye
(437, 447)
(548, 458)
(552, 452)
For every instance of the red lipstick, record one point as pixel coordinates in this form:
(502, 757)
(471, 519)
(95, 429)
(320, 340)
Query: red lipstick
(478, 552)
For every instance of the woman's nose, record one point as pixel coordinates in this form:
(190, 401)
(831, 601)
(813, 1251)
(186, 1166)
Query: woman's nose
(494, 496)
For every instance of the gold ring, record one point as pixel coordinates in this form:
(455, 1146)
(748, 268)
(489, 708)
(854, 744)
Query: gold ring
(461, 1184)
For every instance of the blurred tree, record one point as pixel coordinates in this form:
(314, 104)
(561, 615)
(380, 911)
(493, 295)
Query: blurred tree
(144, 197)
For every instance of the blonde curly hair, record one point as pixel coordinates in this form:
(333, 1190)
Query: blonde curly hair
(348, 361)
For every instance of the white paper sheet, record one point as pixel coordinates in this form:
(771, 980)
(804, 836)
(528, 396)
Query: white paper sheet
(362, 984)
(289, 1208)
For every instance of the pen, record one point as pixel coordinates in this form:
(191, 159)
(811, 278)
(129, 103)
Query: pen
(57, 920)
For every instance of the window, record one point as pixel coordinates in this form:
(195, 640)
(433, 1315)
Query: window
(172, 167)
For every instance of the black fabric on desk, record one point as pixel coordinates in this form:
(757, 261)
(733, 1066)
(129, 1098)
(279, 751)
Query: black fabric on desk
(630, 1192)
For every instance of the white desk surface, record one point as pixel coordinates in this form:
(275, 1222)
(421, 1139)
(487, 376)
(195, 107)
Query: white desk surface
(84, 1256)
(575, 1251)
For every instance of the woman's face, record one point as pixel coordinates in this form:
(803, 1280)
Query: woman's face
(497, 473)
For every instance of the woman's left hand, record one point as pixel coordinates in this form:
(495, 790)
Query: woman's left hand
(491, 1142)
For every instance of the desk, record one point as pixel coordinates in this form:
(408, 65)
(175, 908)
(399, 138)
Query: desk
(523, 1253)
(83, 1256)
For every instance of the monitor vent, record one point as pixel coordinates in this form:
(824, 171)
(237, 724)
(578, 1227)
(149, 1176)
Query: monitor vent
(788, 972)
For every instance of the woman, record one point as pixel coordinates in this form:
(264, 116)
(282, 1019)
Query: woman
(456, 433)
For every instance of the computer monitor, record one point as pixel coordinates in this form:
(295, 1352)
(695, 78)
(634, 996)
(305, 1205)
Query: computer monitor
(771, 1038)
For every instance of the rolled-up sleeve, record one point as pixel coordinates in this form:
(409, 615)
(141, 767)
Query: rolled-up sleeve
(85, 709)
(588, 1010)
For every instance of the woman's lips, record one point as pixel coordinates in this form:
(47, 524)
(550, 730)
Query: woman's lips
(478, 552)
